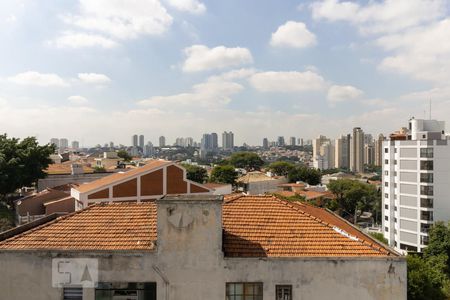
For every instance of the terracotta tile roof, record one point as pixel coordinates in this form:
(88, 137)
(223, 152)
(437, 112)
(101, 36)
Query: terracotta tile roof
(114, 226)
(65, 168)
(265, 226)
(119, 176)
(255, 176)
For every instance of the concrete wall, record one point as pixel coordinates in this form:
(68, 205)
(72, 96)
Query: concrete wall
(29, 276)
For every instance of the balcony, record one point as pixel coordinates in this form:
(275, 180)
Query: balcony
(426, 216)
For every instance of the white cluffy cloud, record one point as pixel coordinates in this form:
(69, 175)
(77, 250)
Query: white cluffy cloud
(340, 93)
(82, 40)
(78, 100)
(202, 58)
(380, 16)
(33, 78)
(94, 78)
(287, 81)
(191, 6)
(293, 34)
(122, 19)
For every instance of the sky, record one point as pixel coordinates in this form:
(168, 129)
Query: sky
(102, 70)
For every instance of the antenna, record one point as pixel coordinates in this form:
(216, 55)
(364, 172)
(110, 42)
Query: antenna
(430, 108)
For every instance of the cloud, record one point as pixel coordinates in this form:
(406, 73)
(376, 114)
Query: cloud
(78, 100)
(341, 93)
(33, 78)
(121, 19)
(201, 58)
(94, 78)
(293, 34)
(191, 6)
(82, 40)
(215, 92)
(380, 16)
(287, 81)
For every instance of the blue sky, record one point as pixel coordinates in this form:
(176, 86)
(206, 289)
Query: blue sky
(101, 70)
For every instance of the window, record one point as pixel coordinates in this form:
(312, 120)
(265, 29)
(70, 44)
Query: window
(386, 161)
(284, 292)
(408, 247)
(386, 150)
(73, 293)
(426, 190)
(386, 195)
(395, 185)
(426, 165)
(395, 161)
(386, 206)
(126, 290)
(424, 228)
(395, 220)
(386, 218)
(386, 229)
(426, 215)
(244, 291)
(386, 173)
(395, 208)
(386, 183)
(426, 152)
(423, 240)
(426, 202)
(426, 177)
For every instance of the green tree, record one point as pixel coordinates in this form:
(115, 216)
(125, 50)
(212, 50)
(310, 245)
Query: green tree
(99, 169)
(281, 168)
(196, 173)
(124, 155)
(224, 174)
(249, 161)
(308, 175)
(22, 163)
(379, 237)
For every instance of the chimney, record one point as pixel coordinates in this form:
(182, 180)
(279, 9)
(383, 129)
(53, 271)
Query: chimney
(76, 169)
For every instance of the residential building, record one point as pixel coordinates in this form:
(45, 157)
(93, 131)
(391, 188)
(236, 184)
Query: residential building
(162, 141)
(75, 145)
(134, 140)
(342, 152)
(141, 141)
(379, 150)
(416, 174)
(227, 140)
(300, 142)
(369, 154)
(280, 141)
(215, 141)
(189, 142)
(259, 183)
(55, 142)
(194, 247)
(148, 149)
(323, 153)
(292, 141)
(265, 143)
(357, 153)
(63, 144)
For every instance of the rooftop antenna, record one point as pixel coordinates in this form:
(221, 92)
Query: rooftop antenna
(430, 108)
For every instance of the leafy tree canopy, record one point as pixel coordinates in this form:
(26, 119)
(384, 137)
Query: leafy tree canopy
(281, 168)
(196, 173)
(249, 161)
(124, 155)
(224, 174)
(22, 162)
(308, 175)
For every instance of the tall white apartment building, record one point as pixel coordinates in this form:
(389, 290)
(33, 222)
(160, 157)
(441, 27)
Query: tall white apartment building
(323, 153)
(227, 140)
(342, 152)
(416, 183)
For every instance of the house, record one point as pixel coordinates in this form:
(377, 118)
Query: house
(198, 247)
(219, 188)
(152, 181)
(259, 183)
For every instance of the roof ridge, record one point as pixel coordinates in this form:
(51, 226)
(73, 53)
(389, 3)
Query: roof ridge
(295, 207)
(58, 219)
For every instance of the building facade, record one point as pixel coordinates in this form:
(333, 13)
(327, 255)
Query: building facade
(416, 183)
(357, 153)
(227, 140)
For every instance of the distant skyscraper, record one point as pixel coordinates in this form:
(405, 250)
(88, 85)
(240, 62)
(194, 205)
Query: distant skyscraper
(227, 140)
(148, 149)
(75, 145)
(111, 145)
(379, 150)
(207, 142)
(292, 141)
(162, 141)
(63, 144)
(265, 143)
(357, 160)
(215, 141)
(134, 140)
(189, 142)
(55, 142)
(369, 154)
(342, 152)
(323, 150)
(141, 141)
(280, 141)
(300, 141)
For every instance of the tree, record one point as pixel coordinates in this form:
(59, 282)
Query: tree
(281, 168)
(124, 155)
(249, 161)
(379, 237)
(308, 175)
(224, 174)
(196, 173)
(22, 163)
(439, 242)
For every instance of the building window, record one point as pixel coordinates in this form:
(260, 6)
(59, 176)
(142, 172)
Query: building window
(426, 152)
(386, 173)
(386, 150)
(426, 202)
(386, 206)
(386, 229)
(284, 292)
(244, 291)
(386, 218)
(426, 216)
(386, 195)
(408, 247)
(426, 177)
(386, 161)
(126, 290)
(423, 240)
(72, 293)
(395, 208)
(395, 220)
(386, 184)
(424, 228)
(426, 165)
(395, 185)
(395, 161)
(426, 190)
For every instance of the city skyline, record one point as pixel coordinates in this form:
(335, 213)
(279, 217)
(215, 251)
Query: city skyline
(310, 68)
